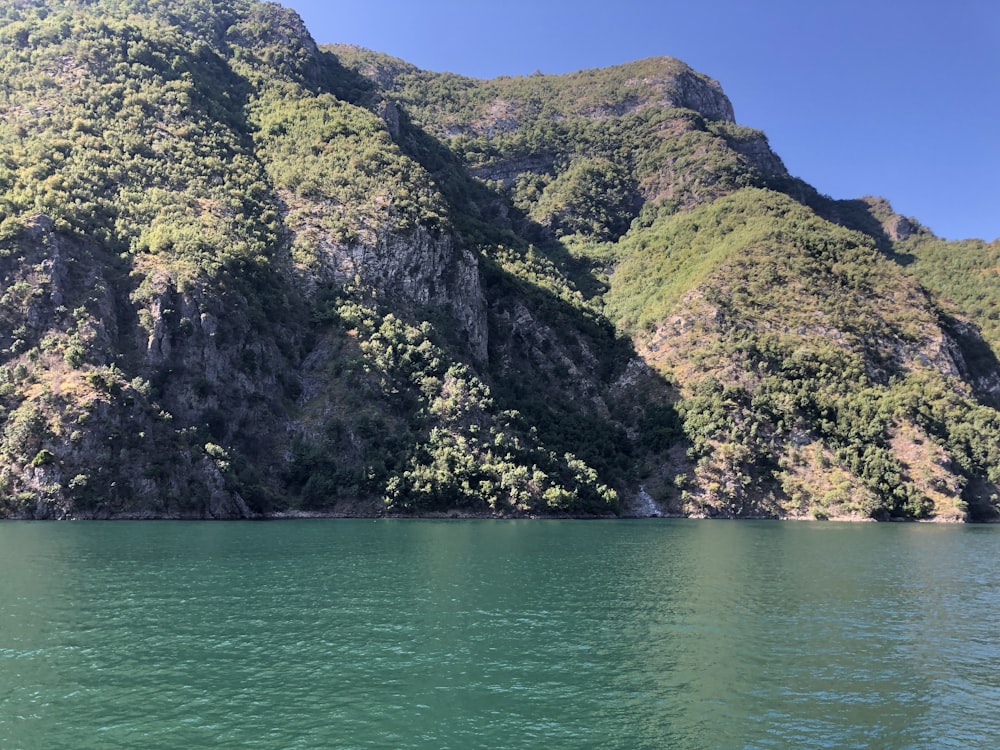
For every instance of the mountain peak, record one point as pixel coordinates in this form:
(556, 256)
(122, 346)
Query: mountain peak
(676, 85)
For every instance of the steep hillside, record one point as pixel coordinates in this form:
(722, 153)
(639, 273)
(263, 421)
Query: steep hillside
(818, 377)
(814, 375)
(243, 275)
(228, 291)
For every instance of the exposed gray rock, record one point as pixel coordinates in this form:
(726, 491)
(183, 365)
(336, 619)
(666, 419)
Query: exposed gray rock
(702, 94)
(422, 268)
(759, 155)
(389, 113)
(899, 227)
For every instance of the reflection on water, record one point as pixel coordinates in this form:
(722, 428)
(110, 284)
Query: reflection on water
(462, 634)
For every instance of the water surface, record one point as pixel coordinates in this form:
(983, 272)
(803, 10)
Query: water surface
(510, 634)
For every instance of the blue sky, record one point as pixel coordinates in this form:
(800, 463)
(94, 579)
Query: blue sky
(875, 97)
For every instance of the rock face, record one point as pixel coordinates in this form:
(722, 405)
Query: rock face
(421, 269)
(899, 228)
(694, 91)
(757, 151)
(83, 440)
(432, 271)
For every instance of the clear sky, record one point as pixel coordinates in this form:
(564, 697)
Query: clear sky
(858, 97)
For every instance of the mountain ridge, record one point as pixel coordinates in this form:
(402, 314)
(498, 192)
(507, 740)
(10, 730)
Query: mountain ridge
(246, 275)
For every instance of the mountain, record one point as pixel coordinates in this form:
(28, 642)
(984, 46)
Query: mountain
(243, 275)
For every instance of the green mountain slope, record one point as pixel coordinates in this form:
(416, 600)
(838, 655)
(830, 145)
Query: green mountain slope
(244, 275)
(818, 375)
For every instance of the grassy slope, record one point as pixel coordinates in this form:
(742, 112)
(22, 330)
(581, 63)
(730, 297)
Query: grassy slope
(816, 372)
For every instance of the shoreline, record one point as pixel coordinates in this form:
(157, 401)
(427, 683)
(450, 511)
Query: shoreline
(333, 514)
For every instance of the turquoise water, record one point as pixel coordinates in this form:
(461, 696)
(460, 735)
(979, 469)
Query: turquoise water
(496, 634)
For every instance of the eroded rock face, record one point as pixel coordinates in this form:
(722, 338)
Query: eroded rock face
(45, 280)
(429, 270)
(759, 155)
(103, 415)
(694, 91)
(899, 227)
(507, 171)
(420, 268)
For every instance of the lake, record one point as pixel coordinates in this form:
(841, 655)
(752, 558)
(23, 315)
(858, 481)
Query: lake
(467, 634)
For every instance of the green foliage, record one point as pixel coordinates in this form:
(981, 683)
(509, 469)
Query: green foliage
(592, 197)
(768, 240)
(461, 451)
(964, 273)
(323, 151)
(793, 342)
(43, 458)
(23, 433)
(581, 153)
(137, 147)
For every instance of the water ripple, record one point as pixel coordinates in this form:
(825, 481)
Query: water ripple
(343, 634)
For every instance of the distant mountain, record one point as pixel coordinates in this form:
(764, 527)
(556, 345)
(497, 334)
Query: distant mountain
(242, 275)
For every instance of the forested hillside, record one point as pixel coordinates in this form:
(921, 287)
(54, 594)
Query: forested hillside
(242, 275)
